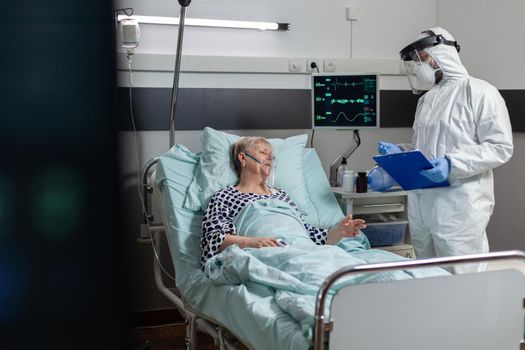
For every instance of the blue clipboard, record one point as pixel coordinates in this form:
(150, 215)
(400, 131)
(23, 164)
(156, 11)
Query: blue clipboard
(404, 167)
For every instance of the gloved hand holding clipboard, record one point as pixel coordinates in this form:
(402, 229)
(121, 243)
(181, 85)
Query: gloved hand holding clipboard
(404, 167)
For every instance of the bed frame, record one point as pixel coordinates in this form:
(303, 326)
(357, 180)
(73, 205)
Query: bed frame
(194, 320)
(482, 311)
(400, 298)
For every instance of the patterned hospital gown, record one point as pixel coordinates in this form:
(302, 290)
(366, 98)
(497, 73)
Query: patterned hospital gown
(225, 205)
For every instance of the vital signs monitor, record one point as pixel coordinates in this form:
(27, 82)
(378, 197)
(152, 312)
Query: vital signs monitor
(345, 100)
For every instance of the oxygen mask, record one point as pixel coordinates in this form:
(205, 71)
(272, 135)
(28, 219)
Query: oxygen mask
(267, 163)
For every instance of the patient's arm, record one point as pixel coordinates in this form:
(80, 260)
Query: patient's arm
(347, 227)
(217, 221)
(247, 242)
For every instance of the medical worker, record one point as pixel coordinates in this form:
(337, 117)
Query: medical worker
(462, 125)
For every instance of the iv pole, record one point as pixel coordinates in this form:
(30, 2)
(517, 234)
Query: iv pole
(176, 72)
(145, 187)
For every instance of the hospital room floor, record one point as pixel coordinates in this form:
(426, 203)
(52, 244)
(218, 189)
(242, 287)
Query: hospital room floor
(161, 329)
(165, 337)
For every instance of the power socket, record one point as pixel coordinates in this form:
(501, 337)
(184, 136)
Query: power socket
(311, 63)
(328, 66)
(295, 65)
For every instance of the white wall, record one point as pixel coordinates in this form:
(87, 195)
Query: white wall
(490, 33)
(319, 29)
(489, 36)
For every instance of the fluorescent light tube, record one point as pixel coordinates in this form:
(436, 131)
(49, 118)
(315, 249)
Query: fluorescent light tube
(217, 23)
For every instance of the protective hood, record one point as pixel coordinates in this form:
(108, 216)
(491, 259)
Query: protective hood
(447, 57)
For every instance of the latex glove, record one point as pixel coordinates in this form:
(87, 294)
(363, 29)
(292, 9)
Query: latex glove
(439, 172)
(387, 148)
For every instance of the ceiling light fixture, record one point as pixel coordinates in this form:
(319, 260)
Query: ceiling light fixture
(215, 23)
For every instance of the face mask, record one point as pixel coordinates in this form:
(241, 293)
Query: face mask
(425, 72)
(270, 181)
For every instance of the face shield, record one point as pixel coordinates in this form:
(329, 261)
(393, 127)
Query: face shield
(423, 71)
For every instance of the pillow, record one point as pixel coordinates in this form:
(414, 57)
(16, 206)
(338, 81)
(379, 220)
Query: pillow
(326, 210)
(215, 170)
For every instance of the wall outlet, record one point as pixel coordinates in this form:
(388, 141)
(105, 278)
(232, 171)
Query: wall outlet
(328, 66)
(295, 65)
(315, 62)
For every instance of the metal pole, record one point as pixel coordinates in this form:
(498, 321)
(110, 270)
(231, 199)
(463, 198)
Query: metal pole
(176, 71)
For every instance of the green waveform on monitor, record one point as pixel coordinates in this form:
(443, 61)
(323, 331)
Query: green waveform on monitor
(353, 84)
(345, 101)
(366, 117)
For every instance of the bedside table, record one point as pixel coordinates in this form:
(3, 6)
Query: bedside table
(373, 202)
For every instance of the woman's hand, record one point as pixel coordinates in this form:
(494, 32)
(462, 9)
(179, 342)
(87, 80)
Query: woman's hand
(347, 227)
(260, 242)
(248, 242)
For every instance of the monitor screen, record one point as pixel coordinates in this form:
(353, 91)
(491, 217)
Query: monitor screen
(345, 100)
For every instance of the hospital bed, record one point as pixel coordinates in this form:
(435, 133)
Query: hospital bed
(397, 314)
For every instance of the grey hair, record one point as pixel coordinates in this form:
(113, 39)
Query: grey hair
(245, 144)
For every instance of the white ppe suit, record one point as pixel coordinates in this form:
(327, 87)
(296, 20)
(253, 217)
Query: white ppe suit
(465, 120)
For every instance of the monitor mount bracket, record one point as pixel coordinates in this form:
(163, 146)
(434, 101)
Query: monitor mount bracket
(349, 150)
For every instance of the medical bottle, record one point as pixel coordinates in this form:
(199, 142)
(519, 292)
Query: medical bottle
(361, 182)
(348, 181)
(341, 171)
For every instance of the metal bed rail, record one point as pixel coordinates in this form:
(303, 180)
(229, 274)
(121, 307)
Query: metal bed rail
(319, 323)
(193, 320)
(147, 190)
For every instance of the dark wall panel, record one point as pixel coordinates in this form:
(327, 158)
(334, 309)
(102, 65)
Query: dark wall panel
(264, 108)
(515, 100)
(397, 108)
(217, 108)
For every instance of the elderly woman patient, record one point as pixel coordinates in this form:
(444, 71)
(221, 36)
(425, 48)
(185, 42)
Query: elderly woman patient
(253, 160)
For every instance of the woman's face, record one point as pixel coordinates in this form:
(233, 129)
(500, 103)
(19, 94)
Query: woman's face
(264, 160)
